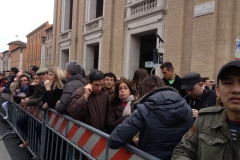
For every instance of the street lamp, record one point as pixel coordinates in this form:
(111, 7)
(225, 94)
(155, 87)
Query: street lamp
(43, 38)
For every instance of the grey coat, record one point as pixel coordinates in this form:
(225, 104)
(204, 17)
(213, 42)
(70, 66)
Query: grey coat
(75, 82)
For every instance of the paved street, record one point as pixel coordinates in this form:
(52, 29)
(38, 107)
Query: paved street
(8, 148)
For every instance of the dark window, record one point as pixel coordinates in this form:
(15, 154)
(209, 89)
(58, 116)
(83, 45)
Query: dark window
(99, 8)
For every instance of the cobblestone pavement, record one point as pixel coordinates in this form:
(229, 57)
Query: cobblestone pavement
(8, 148)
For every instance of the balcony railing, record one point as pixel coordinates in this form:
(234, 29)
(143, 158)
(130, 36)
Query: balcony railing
(65, 35)
(96, 23)
(141, 6)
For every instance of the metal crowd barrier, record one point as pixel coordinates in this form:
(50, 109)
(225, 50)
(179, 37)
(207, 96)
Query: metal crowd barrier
(63, 138)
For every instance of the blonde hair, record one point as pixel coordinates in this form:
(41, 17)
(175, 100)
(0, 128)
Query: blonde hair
(58, 75)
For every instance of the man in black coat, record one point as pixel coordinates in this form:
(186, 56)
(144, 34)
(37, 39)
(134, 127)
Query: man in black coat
(198, 96)
(170, 78)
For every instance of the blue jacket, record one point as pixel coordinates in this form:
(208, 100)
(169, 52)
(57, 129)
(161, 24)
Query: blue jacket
(162, 117)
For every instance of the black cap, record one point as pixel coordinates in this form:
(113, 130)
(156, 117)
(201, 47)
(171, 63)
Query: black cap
(189, 80)
(229, 65)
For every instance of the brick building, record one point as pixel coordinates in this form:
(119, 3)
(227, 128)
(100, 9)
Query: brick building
(119, 36)
(34, 43)
(17, 54)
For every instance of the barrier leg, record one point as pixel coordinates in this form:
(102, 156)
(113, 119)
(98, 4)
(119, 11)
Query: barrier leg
(7, 134)
(11, 124)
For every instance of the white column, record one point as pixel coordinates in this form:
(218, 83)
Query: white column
(43, 49)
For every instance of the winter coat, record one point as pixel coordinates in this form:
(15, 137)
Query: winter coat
(52, 97)
(74, 83)
(207, 99)
(162, 117)
(209, 138)
(37, 99)
(114, 115)
(92, 111)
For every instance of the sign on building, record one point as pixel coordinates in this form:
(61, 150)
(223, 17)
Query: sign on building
(205, 8)
(149, 64)
(237, 52)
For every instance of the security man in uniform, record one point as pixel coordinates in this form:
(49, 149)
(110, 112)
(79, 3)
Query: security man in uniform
(215, 133)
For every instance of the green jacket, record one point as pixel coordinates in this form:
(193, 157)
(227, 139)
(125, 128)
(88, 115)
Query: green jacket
(209, 138)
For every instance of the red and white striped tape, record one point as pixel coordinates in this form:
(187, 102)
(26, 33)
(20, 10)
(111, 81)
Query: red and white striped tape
(36, 112)
(87, 140)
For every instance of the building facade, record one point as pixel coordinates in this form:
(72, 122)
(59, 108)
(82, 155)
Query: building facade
(119, 36)
(201, 34)
(17, 54)
(5, 59)
(34, 44)
(46, 52)
(108, 35)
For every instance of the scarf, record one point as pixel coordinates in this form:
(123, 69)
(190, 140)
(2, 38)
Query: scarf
(24, 88)
(127, 109)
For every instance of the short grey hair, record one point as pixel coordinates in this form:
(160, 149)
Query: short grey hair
(74, 67)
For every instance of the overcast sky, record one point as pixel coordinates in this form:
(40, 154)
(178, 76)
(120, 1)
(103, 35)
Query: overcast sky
(20, 17)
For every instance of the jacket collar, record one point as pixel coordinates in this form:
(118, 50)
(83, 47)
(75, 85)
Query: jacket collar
(77, 76)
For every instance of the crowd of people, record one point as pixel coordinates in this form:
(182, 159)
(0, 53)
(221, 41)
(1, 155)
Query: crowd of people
(169, 118)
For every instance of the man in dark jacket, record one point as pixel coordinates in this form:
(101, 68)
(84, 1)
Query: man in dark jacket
(198, 96)
(170, 78)
(89, 103)
(75, 80)
(162, 117)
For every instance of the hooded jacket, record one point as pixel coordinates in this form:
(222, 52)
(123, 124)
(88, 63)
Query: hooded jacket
(162, 117)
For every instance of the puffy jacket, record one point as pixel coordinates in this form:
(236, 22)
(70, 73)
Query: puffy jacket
(162, 117)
